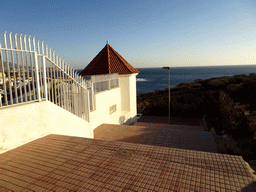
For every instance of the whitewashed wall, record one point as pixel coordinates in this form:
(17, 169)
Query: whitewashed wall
(103, 101)
(128, 97)
(133, 98)
(27, 122)
(124, 84)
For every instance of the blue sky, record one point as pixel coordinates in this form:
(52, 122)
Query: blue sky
(175, 33)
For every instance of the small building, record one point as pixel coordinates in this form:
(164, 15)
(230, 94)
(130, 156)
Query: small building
(109, 61)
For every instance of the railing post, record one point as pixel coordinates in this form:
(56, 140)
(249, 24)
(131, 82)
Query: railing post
(37, 77)
(26, 59)
(44, 72)
(68, 90)
(88, 107)
(64, 86)
(17, 60)
(31, 67)
(44, 77)
(3, 76)
(13, 69)
(8, 69)
(92, 95)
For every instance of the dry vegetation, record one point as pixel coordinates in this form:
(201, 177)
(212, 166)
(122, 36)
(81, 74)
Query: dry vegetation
(228, 104)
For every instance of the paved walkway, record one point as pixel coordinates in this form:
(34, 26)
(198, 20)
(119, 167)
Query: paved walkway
(176, 136)
(64, 163)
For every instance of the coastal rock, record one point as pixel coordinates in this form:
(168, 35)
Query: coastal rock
(252, 75)
(198, 80)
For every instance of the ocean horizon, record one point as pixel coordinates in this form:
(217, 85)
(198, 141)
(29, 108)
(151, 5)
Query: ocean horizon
(152, 79)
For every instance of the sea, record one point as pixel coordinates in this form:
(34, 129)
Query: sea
(151, 79)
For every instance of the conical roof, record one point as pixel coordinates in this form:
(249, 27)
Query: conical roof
(108, 61)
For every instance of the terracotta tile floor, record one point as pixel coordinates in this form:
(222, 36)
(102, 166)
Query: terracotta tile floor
(176, 136)
(64, 163)
(174, 120)
(171, 126)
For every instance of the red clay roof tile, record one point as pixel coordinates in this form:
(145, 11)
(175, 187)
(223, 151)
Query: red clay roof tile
(108, 61)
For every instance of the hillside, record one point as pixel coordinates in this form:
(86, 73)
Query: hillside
(226, 105)
(193, 99)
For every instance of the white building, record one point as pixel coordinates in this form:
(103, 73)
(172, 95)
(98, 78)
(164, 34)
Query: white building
(116, 104)
(109, 61)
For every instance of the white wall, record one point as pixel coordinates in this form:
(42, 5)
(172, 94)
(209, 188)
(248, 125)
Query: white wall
(103, 101)
(128, 97)
(26, 122)
(124, 84)
(133, 98)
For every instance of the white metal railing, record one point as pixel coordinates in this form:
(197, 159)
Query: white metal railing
(100, 83)
(30, 73)
(104, 82)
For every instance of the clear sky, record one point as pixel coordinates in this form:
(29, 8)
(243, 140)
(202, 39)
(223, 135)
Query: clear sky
(153, 33)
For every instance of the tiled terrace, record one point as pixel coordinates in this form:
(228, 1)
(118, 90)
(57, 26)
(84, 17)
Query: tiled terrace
(176, 136)
(174, 120)
(63, 163)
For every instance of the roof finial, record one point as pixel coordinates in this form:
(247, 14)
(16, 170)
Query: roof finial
(107, 42)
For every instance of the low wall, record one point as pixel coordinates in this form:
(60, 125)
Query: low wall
(26, 122)
(103, 102)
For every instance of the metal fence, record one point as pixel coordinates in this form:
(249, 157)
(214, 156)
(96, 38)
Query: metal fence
(34, 73)
(99, 83)
(31, 72)
(104, 82)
